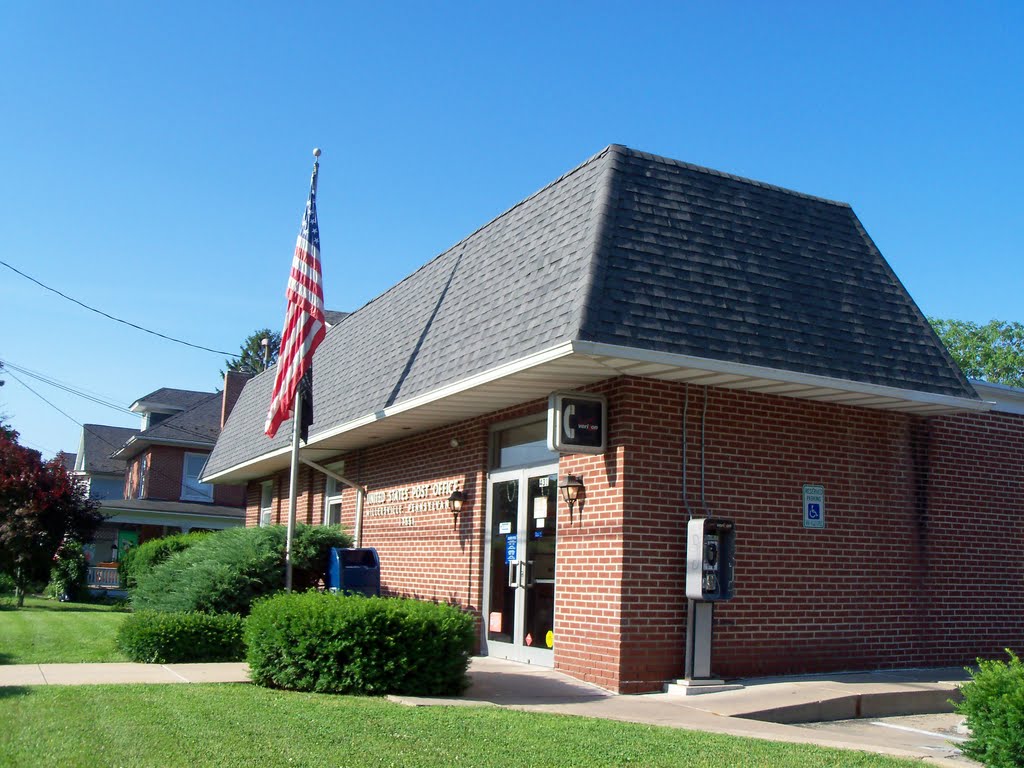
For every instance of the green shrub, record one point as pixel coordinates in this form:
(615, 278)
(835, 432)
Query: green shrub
(224, 572)
(993, 704)
(145, 557)
(69, 572)
(6, 584)
(353, 644)
(170, 638)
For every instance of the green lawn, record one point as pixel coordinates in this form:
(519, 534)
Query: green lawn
(243, 725)
(48, 632)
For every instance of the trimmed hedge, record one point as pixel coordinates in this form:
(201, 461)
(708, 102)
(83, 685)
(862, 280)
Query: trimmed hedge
(223, 572)
(148, 555)
(363, 645)
(993, 704)
(175, 638)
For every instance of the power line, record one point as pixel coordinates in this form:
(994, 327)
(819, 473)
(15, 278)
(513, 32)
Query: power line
(85, 427)
(99, 399)
(91, 396)
(116, 319)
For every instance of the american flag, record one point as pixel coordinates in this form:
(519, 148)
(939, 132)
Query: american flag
(304, 325)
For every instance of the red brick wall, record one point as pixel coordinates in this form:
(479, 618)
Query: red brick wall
(899, 576)
(974, 538)
(165, 472)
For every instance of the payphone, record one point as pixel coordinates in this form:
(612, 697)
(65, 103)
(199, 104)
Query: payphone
(710, 559)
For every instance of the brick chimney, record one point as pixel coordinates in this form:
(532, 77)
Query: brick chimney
(234, 382)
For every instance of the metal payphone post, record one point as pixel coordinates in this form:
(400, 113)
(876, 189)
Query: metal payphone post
(710, 567)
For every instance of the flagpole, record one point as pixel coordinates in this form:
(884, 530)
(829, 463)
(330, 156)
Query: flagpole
(293, 492)
(293, 484)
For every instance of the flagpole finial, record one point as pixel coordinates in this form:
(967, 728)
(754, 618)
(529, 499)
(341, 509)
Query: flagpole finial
(316, 152)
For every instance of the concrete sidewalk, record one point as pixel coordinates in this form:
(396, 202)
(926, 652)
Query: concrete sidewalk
(768, 708)
(98, 674)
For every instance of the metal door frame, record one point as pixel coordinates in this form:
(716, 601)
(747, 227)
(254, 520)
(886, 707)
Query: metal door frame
(517, 650)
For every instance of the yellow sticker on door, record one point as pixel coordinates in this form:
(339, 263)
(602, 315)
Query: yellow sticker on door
(549, 639)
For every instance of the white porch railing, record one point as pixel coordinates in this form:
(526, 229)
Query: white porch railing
(100, 577)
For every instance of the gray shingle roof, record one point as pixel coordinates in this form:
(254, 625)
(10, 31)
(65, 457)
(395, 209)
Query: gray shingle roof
(175, 398)
(198, 425)
(634, 250)
(99, 442)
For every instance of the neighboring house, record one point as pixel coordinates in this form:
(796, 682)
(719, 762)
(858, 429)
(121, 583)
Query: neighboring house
(147, 480)
(102, 474)
(760, 362)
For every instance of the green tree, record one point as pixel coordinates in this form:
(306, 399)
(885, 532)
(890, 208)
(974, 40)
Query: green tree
(41, 507)
(250, 357)
(993, 352)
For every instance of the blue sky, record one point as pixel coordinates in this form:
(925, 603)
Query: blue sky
(155, 158)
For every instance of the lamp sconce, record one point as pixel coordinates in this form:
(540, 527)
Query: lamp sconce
(455, 502)
(573, 491)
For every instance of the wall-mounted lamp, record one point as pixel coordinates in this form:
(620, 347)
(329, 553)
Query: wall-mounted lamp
(455, 502)
(573, 490)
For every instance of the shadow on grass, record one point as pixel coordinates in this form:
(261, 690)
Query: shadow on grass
(13, 691)
(37, 604)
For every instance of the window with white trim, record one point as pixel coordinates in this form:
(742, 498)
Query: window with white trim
(191, 488)
(266, 503)
(141, 490)
(332, 495)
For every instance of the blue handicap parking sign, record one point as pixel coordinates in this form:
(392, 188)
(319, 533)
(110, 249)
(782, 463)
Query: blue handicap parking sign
(814, 511)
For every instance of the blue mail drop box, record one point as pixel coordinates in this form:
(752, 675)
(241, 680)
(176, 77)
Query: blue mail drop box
(354, 570)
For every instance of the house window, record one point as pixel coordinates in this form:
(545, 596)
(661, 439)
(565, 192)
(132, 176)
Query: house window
(266, 503)
(191, 488)
(332, 495)
(141, 490)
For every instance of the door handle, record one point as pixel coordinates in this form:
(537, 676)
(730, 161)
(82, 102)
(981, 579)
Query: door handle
(528, 568)
(513, 574)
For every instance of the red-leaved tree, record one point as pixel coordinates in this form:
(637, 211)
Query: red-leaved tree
(41, 505)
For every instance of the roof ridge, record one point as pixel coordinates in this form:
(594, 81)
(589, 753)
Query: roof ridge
(601, 215)
(725, 175)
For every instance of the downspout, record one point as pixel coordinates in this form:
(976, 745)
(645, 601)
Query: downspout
(703, 430)
(360, 496)
(686, 410)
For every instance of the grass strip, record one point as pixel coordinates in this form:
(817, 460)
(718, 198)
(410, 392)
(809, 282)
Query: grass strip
(48, 632)
(243, 725)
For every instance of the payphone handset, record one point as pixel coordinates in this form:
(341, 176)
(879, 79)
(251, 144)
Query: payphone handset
(710, 558)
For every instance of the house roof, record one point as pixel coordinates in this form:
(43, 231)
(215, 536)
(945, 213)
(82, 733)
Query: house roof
(196, 427)
(1003, 397)
(68, 460)
(99, 443)
(121, 506)
(630, 263)
(169, 399)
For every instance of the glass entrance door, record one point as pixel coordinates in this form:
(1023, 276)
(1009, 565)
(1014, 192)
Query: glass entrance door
(519, 613)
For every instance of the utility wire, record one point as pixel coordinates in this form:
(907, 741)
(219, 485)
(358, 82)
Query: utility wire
(91, 396)
(116, 319)
(99, 399)
(85, 427)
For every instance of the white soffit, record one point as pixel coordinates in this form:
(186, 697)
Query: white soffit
(574, 365)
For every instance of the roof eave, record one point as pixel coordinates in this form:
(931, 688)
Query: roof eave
(136, 444)
(578, 363)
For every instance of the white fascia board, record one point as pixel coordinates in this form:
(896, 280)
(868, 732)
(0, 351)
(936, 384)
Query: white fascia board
(141, 441)
(523, 364)
(776, 374)
(1004, 398)
(146, 406)
(286, 451)
(545, 356)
